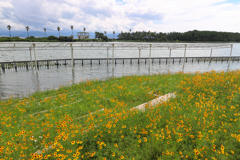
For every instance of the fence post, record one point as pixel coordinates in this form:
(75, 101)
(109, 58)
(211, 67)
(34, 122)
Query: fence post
(139, 56)
(230, 55)
(210, 56)
(150, 55)
(112, 55)
(31, 57)
(72, 55)
(107, 56)
(169, 54)
(34, 45)
(184, 54)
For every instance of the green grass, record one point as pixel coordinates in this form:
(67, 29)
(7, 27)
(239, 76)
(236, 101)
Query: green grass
(203, 115)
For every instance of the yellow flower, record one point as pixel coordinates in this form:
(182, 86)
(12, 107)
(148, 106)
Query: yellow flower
(113, 154)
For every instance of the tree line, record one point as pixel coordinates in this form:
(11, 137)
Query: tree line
(45, 30)
(195, 35)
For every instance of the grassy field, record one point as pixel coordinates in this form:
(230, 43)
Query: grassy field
(92, 119)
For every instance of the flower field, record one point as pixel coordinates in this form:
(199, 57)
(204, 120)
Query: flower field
(93, 120)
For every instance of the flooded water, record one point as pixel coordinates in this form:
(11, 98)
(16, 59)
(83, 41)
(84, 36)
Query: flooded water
(23, 82)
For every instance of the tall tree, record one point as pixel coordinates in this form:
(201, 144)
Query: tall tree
(130, 30)
(58, 28)
(72, 29)
(84, 29)
(105, 33)
(27, 28)
(9, 28)
(45, 31)
(113, 34)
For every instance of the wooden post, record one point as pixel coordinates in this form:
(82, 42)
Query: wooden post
(170, 54)
(112, 55)
(184, 55)
(27, 65)
(15, 65)
(210, 56)
(150, 55)
(139, 56)
(72, 55)
(230, 56)
(107, 56)
(34, 45)
(3, 67)
(31, 58)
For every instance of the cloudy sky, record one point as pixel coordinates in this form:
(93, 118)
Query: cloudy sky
(119, 15)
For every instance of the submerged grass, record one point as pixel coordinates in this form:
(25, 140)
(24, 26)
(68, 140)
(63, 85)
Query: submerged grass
(92, 120)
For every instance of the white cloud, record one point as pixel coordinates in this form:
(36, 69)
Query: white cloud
(109, 15)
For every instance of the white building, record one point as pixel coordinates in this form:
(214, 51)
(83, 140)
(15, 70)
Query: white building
(83, 35)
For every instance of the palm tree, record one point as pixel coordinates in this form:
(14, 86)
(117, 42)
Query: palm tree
(9, 28)
(27, 28)
(45, 31)
(84, 29)
(130, 30)
(58, 28)
(113, 34)
(72, 29)
(105, 33)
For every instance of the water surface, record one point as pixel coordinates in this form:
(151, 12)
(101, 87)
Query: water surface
(23, 82)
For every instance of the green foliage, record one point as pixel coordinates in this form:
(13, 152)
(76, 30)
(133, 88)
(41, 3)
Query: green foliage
(52, 38)
(66, 38)
(99, 35)
(190, 36)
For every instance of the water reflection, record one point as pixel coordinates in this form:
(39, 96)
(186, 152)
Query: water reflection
(73, 76)
(35, 81)
(1, 86)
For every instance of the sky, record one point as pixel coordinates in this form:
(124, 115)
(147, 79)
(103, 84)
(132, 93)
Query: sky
(117, 15)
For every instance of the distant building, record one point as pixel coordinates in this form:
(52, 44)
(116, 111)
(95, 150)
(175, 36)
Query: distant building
(83, 35)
